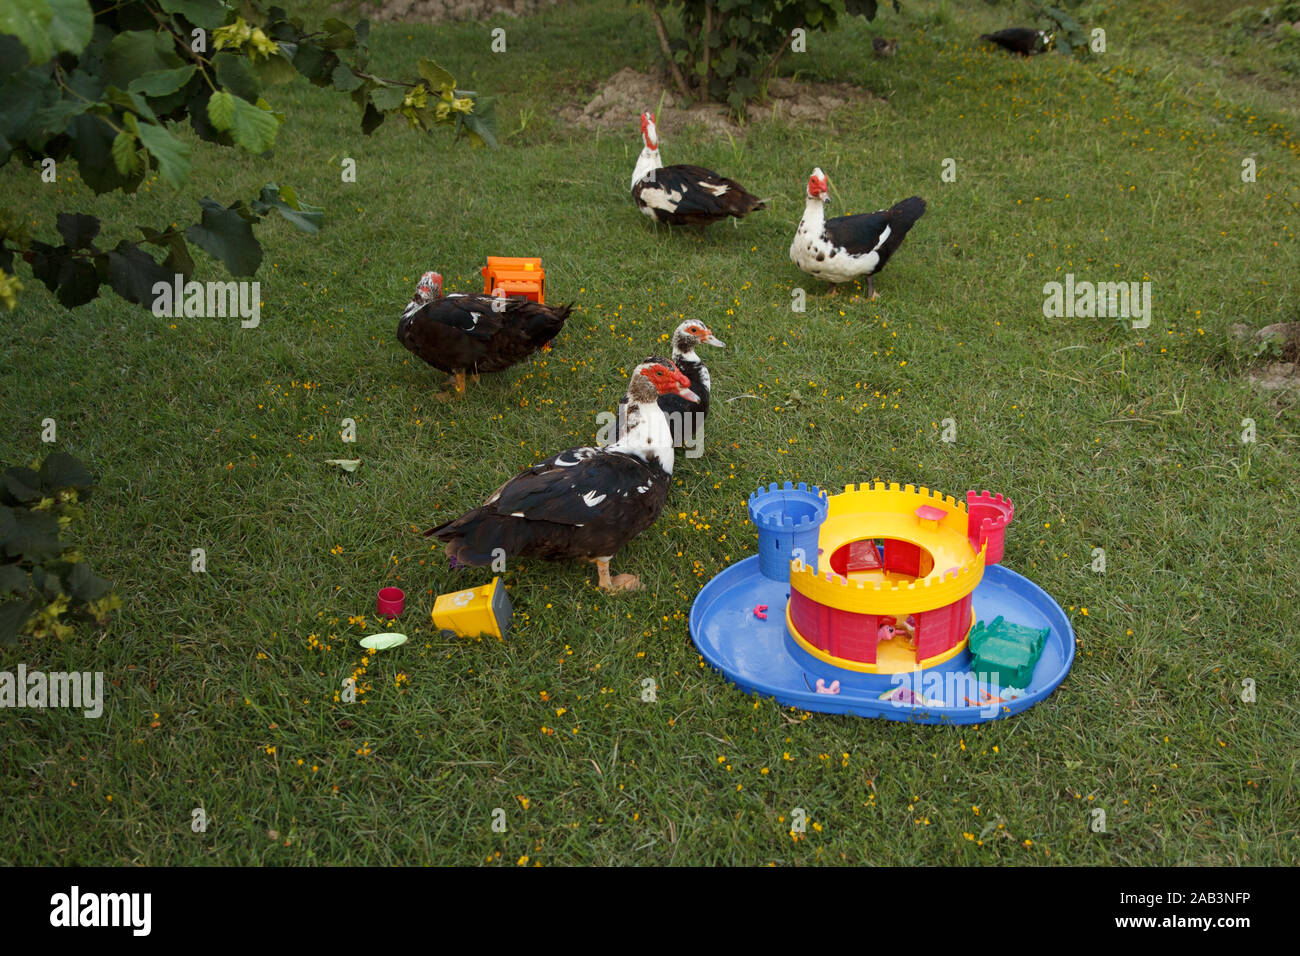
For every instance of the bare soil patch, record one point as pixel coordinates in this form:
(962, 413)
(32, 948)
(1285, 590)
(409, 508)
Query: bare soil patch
(619, 103)
(438, 11)
(1278, 345)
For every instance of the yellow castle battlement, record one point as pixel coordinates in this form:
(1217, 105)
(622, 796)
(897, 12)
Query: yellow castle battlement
(890, 511)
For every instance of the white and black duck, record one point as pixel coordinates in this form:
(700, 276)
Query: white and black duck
(684, 195)
(584, 503)
(849, 247)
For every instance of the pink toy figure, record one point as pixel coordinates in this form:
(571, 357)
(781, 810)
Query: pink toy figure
(889, 628)
(823, 689)
(760, 611)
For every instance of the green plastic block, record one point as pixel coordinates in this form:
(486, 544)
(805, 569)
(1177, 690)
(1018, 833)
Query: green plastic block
(1032, 638)
(1007, 663)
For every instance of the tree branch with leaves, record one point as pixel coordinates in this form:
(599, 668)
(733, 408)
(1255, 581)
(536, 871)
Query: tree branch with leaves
(102, 83)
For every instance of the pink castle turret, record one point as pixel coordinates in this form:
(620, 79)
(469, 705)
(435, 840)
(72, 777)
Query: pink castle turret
(987, 518)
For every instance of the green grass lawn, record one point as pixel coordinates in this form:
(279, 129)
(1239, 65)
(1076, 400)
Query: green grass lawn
(223, 686)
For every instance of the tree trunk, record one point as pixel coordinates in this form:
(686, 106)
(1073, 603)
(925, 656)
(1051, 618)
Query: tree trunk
(771, 64)
(708, 28)
(678, 79)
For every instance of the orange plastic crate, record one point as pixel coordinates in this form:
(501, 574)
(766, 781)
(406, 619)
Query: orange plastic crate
(515, 276)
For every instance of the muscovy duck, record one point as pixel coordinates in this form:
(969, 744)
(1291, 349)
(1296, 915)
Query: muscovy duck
(846, 247)
(1022, 40)
(685, 418)
(584, 503)
(684, 195)
(457, 333)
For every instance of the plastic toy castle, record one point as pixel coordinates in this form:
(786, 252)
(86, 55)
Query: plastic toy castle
(880, 588)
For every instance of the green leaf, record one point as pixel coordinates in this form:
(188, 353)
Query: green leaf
(344, 79)
(162, 82)
(340, 35)
(68, 274)
(178, 253)
(72, 25)
(388, 97)
(13, 579)
(227, 235)
(221, 110)
(172, 155)
(235, 73)
(132, 104)
(13, 615)
(437, 78)
(85, 585)
(251, 126)
(276, 69)
(481, 124)
(92, 145)
(52, 119)
(132, 272)
(13, 55)
(48, 581)
(22, 485)
(60, 471)
(208, 14)
(29, 21)
(314, 63)
(284, 200)
(78, 230)
(78, 282)
(135, 53)
(21, 95)
(125, 156)
(35, 536)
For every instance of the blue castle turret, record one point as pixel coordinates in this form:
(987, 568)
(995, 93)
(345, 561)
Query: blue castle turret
(789, 520)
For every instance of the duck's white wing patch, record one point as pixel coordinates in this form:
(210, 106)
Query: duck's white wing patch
(592, 499)
(575, 457)
(881, 241)
(657, 197)
(717, 190)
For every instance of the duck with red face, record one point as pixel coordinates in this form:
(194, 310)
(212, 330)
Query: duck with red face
(686, 418)
(848, 247)
(684, 195)
(584, 503)
(460, 333)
